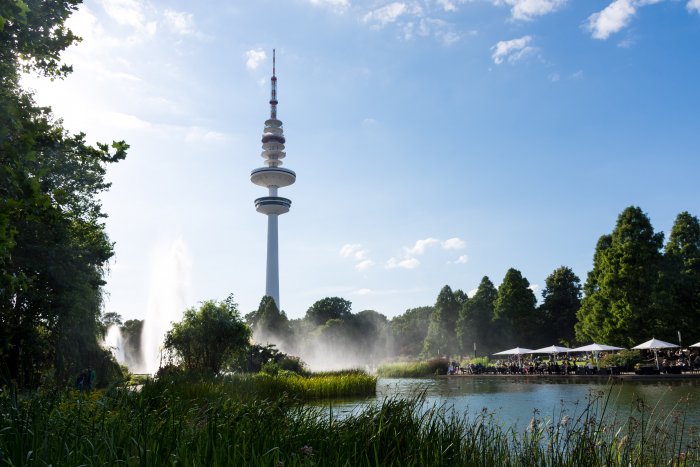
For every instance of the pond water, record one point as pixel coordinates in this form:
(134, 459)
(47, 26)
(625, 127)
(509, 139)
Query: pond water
(514, 400)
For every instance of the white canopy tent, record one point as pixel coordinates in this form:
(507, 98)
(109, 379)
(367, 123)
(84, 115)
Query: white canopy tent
(696, 345)
(552, 349)
(519, 351)
(595, 349)
(655, 345)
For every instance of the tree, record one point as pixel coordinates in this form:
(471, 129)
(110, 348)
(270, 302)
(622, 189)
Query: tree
(474, 326)
(408, 330)
(131, 332)
(268, 323)
(514, 311)
(328, 308)
(53, 245)
(682, 280)
(621, 305)
(441, 338)
(208, 337)
(561, 301)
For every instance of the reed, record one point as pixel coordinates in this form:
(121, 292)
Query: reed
(413, 369)
(166, 426)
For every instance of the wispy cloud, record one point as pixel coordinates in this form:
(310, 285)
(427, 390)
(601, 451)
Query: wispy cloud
(254, 58)
(615, 17)
(363, 291)
(526, 10)
(382, 16)
(338, 6)
(454, 243)
(130, 13)
(462, 259)
(421, 245)
(405, 263)
(693, 5)
(513, 50)
(357, 253)
(179, 22)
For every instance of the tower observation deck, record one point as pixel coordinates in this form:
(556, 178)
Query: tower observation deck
(272, 177)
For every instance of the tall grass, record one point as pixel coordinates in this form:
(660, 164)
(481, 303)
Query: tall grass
(413, 369)
(164, 426)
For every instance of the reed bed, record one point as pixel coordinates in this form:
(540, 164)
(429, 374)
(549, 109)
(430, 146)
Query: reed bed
(157, 427)
(413, 369)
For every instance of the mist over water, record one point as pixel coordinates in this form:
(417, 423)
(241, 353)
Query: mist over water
(170, 293)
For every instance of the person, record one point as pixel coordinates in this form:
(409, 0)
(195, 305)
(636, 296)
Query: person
(91, 378)
(82, 381)
(589, 368)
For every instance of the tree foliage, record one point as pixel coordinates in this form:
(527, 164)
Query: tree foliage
(475, 324)
(621, 305)
(515, 320)
(561, 301)
(409, 329)
(328, 308)
(208, 337)
(441, 338)
(53, 245)
(268, 323)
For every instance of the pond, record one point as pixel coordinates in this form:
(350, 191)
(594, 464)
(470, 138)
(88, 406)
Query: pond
(514, 399)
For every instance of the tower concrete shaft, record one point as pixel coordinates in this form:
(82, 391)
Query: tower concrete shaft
(272, 177)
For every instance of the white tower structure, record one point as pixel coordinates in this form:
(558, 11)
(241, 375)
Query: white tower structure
(273, 177)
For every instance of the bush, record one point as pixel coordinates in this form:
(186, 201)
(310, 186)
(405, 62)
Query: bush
(626, 359)
(438, 366)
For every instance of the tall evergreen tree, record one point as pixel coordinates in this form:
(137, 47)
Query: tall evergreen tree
(442, 338)
(682, 255)
(408, 330)
(621, 303)
(561, 301)
(515, 319)
(474, 326)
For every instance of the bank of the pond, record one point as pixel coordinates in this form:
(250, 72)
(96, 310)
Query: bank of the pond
(163, 425)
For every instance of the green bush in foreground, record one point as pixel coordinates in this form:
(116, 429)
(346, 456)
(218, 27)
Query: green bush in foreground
(165, 427)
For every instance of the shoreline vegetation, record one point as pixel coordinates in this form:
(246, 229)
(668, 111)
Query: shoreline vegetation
(175, 421)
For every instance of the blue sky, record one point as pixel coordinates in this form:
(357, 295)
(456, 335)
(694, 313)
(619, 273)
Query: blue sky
(434, 141)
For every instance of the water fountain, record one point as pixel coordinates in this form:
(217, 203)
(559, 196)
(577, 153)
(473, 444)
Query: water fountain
(169, 295)
(114, 342)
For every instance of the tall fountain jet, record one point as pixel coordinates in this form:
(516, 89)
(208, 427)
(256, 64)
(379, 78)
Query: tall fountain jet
(273, 177)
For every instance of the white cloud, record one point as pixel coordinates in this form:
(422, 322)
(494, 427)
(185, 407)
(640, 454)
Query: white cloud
(454, 243)
(353, 250)
(694, 5)
(254, 58)
(198, 134)
(364, 292)
(526, 10)
(179, 22)
(462, 259)
(406, 263)
(421, 245)
(554, 77)
(338, 6)
(130, 13)
(388, 13)
(534, 287)
(617, 16)
(447, 5)
(472, 292)
(512, 50)
(364, 265)
(611, 19)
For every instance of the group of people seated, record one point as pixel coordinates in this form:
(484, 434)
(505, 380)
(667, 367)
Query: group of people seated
(669, 362)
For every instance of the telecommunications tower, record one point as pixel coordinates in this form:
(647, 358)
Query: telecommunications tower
(273, 177)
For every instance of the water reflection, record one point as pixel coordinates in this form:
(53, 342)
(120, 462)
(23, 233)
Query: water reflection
(515, 399)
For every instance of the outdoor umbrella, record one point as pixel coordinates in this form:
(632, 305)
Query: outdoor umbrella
(696, 345)
(552, 349)
(595, 348)
(655, 345)
(515, 351)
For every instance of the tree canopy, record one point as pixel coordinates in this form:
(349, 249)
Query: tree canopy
(209, 336)
(53, 244)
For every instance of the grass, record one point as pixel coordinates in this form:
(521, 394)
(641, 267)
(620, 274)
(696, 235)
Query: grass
(162, 425)
(413, 369)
